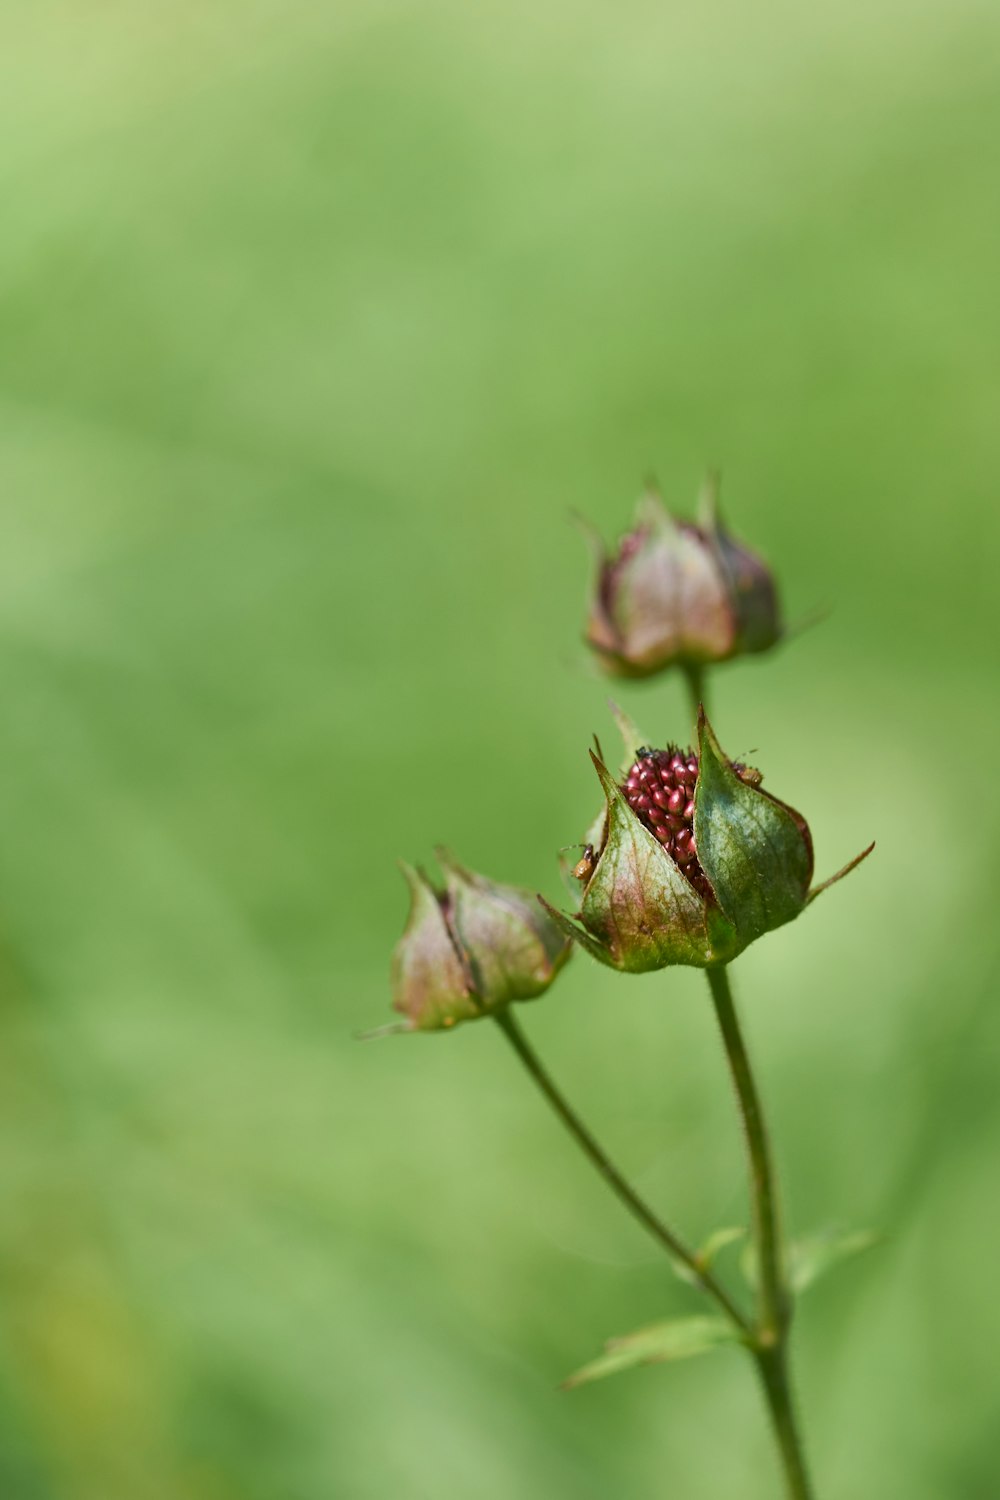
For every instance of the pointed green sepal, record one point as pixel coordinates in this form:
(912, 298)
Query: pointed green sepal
(431, 984)
(470, 949)
(632, 736)
(749, 582)
(513, 951)
(640, 911)
(376, 1033)
(574, 931)
(755, 851)
(852, 864)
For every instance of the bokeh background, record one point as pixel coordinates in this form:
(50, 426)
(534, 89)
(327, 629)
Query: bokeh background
(317, 322)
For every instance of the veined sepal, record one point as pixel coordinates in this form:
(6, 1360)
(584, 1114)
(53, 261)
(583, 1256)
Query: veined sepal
(756, 851)
(639, 911)
(689, 861)
(469, 948)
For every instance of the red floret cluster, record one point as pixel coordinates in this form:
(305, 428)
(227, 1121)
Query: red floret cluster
(660, 788)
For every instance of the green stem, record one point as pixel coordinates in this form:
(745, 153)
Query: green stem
(773, 1367)
(636, 1206)
(695, 676)
(774, 1300)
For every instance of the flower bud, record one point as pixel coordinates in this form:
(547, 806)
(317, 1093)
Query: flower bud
(691, 862)
(679, 593)
(470, 948)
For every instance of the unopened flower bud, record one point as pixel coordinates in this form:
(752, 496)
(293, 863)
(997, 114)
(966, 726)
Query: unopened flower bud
(469, 948)
(679, 593)
(691, 861)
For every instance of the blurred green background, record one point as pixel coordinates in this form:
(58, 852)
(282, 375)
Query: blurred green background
(317, 322)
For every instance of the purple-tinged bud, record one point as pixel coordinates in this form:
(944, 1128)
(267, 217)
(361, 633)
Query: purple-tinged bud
(679, 593)
(695, 885)
(470, 948)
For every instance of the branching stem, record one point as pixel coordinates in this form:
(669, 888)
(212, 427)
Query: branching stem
(637, 1207)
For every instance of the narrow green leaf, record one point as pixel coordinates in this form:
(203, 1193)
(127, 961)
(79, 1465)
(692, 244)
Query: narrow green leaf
(716, 1242)
(815, 1254)
(811, 1256)
(677, 1338)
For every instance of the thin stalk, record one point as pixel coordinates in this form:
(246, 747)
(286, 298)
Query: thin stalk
(770, 1344)
(772, 1365)
(773, 1300)
(694, 676)
(637, 1207)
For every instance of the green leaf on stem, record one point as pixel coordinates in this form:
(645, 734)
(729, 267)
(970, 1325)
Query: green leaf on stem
(811, 1256)
(718, 1240)
(709, 1250)
(676, 1338)
(814, 1254)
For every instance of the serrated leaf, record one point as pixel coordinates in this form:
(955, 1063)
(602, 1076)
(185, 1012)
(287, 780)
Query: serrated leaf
(676, 1338)
(814, 1254)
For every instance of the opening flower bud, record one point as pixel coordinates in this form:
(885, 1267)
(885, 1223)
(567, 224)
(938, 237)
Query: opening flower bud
(469, 948)
(677, 592)
(692, 861)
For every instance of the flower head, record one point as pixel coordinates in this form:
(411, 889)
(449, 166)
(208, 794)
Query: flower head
(679, 593)
(469, 948)
(689, 861)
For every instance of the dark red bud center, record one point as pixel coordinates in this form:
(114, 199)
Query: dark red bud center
(659, 787)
